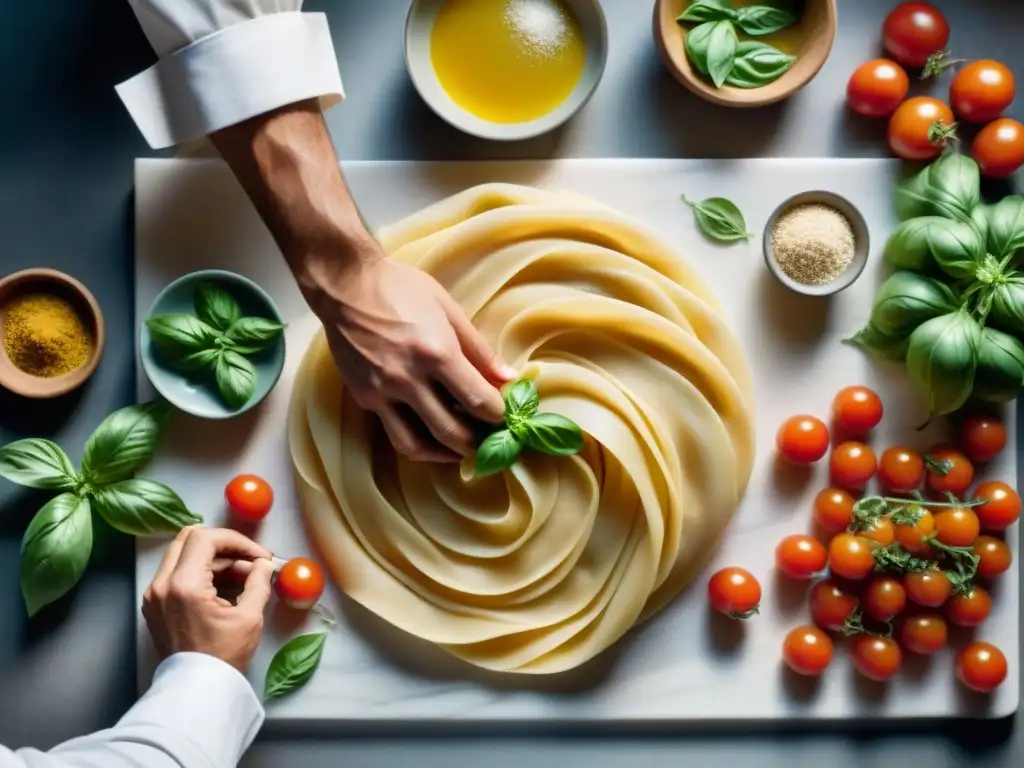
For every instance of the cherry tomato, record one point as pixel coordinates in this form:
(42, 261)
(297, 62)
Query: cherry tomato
(877, 87)
(851, 556)
(981, 667)
(924, 633)
(928, 588)
(885, 598)
(833, 509)
(734, 592)
(911, 135)
(877, 658)
(957, 526)
(913, 537)
(300, 582)
(852, 464)
(994, 557)
(1002, 507)
(914, 31)
(948, 470)
(981, 90)
(880, 531)
(856, 410)
(982, 437)
(970, 610)
(807, 650)
(831, 605)
(802, 439)
(901, 470)
(800, 556)
(249, 497)
(999, 148)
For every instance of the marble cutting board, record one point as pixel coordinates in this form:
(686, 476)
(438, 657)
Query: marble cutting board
(684, 665)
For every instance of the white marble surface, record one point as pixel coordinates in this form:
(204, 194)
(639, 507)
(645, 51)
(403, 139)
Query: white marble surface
(680, 666)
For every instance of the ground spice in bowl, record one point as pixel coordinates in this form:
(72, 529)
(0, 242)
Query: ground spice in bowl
(813, 244)
(45, 336)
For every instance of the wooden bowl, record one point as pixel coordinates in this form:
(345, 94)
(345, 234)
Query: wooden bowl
(816, 29)
(81, 298)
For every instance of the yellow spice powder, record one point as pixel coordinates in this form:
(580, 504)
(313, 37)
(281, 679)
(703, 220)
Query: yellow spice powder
(45, 336)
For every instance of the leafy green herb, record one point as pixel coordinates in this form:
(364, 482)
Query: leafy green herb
(712, 49)
(758, 64)
(497, 452)
(763, 19)
(1005, 230)
(1000, 371)
(124, 442)
(252, 334)
(719, 219)
(293, 665)
(38, 463)
(1007, 304)
(554, 435)
(199, 361)
(216, 307)
(236, 378)
(55, 550)
(181, 334)
(908, 299)
(896, 558)
(942, 360)
(878, 344)
(521, 399)
(141, 507)
(700, 11)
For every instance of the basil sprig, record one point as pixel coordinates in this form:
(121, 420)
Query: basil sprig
(719, 219)
(293, 665)
(58, 542)
(215, 341)
(548, 433)
(716, 52)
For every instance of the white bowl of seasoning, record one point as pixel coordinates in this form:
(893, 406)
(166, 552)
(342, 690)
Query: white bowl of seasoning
(816, 243)
(506, 70)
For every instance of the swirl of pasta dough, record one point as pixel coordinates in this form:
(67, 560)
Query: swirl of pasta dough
(541, 567)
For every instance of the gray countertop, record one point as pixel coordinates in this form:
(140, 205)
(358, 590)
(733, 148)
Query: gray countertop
(66, 152)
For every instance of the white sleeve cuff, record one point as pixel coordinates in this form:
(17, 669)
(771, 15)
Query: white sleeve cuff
(241, 71)
(203, 702)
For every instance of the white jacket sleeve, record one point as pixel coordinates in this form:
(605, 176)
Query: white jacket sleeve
(199, 713)
(224, 61)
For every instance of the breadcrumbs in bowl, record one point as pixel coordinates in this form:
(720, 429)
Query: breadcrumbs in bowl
(816, 243)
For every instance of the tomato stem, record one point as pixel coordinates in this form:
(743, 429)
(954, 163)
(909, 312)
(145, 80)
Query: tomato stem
(937, 63)
(741, 616)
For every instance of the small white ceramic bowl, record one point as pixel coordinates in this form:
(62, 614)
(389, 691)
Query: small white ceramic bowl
(418, 27)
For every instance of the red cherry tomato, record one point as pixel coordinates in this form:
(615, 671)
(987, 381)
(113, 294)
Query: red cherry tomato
(914, 31)
(928, 588)
(877, 87)
(852, 464)
(981, 90)
(877, 658)
(994, 557)
(982, 438)
(807, 650)
(802, 439)
(856, 410)
(981, 667)
(913, 537)
(970, 610)
(831, 605)
(885, 598)
(901, 470)
(850, 556)
(249, 497)
(1002, 507)
(948, 470)
(880, 531)
(734, 592)
(924, 633)
(800, 557)
(957, 526)
(300, 582)
(916, 128)
(833, 509)
(999, 148)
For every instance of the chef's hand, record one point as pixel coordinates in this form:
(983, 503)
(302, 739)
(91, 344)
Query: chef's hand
(408, 353)
(185, 613)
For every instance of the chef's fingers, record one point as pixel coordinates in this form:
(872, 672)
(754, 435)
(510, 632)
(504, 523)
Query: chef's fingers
(444, 425)
(407, 442)
(170, 561)
(256, 594)
(476, 349)
(471, 390)
(206, 544)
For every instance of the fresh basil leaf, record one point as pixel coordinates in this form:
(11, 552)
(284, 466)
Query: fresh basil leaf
(124, 442)
(554, 435)
(954, 246)
(181, 334)
(1005, 226)
(719, 219)
(907, 299)
(236, 378)
(252, 334)
(142, 507)
(954, 186)
(497, 452)
(55, 550)
(521, 399)
(758, 64)
(198, 361)
(886, 348)
(942, 358)
(216, 307)
(293, 665)
(763, 19)
(38, 463)
(1000, 371)
(979, 218)
(912, 196)
(700, 11)
(1007, 307)
(712, 49)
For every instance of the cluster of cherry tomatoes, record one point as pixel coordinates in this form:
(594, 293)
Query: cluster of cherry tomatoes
(897, 569)
(915, 35)
(300, 581)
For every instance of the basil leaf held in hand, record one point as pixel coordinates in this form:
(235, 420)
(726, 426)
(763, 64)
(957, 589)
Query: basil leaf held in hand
(763, 19)
(38, 463)
(497, 452)
(553, 434)
(124, 442)
(141, 507)
(521, 399)
(216, 307)
(55, 550)
(180, 334)
(719, 219)
(758, 64)
(700, 11)
(712, 49)
(293, 665)
(236, 378)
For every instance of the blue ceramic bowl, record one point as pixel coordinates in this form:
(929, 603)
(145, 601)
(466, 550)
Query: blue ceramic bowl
(196, 393)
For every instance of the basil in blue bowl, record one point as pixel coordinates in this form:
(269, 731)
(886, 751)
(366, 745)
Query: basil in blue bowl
(213, 344)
